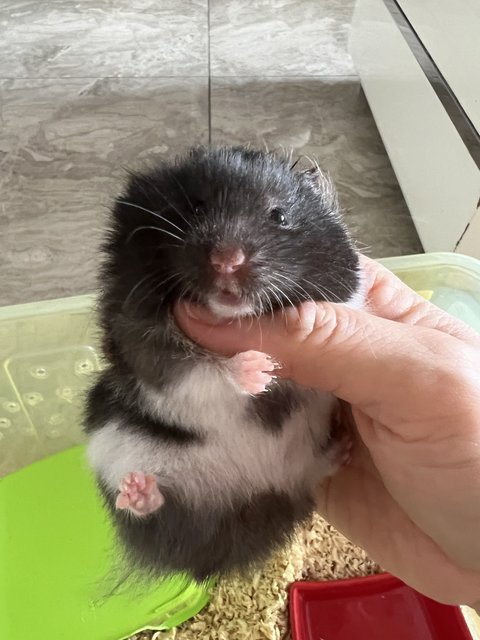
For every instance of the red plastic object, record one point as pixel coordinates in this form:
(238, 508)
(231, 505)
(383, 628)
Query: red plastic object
(372, 608)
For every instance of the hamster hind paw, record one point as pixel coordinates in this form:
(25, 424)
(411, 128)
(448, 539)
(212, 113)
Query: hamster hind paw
(139, 494)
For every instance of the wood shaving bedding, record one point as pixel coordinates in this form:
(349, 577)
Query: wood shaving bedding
(256, 609)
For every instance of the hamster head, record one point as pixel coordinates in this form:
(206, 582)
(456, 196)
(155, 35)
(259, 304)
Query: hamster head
(237, 230)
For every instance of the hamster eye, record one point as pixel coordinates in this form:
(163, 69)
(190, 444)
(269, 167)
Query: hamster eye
(279, 216)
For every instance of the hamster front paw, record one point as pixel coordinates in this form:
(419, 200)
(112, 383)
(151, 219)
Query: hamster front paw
(139, 494)
(251, 371)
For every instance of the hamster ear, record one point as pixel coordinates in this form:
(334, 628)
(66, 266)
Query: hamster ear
(321, 182)
(313, 173)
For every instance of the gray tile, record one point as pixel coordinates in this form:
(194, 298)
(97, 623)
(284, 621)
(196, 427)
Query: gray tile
(128, 38)
(331, 121)
(63, 149)
(280, 37)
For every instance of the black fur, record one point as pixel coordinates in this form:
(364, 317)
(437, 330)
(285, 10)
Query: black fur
(115, 398)
(178, 539)
(276, 406)
(215, 198)
(286, 223)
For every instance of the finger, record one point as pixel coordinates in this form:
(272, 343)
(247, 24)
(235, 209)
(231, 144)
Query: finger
(430, 470)
(365, 360)
(357, 504)
(227, 337)
(387, 296)
(390, 298)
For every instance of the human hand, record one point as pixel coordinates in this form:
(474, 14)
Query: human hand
(410, 496)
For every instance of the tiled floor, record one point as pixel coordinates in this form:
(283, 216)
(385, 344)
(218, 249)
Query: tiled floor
(89, 89)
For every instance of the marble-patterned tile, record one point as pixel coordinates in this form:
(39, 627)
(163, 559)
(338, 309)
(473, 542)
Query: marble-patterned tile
(64, 147)
(280, 37)
(331, 121)
(101, 38)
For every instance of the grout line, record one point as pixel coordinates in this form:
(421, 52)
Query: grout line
(179, 77)
(73, 78)
(209, 89)
(260, 76)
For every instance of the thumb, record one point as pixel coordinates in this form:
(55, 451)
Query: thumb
(359, 357)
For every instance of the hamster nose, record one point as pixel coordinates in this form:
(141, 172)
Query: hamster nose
(227, 260)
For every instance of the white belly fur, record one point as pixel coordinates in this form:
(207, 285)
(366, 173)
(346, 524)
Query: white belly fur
(239, 457)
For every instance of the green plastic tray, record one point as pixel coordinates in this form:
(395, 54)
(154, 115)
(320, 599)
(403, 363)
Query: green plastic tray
(60, 576)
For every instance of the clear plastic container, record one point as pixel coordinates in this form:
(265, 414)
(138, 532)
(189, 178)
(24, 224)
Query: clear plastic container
(449, 280)
(49, 352)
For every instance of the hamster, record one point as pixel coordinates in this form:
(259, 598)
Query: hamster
(206, 464)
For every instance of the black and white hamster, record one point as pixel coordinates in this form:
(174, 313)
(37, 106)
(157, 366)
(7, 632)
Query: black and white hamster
(204, 467)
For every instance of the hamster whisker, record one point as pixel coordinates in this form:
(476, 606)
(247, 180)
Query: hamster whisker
(282, 292)
(279, 300)
(161, 284)
(312, 162)
(272, 311)
(270, 306)
(177, 211)
(286, 154)
(364, 248)
(166, 292)
(350, 270)
(179, 184)
(323, 290)
(151, 291)
(185, 292)
(168, 289)
(322, 293)
(261, 333)
(338, 299)
(157, 229)
(328, 295)
(262, 306)
(296, 285)
(289, 289)
(258, 313)
(153, 213)
(348, 289)
(135, 287)
(150, 278)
